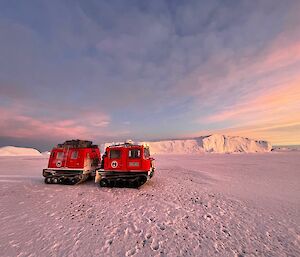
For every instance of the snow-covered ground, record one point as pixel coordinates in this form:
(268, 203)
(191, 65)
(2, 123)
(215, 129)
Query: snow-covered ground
(195, 205)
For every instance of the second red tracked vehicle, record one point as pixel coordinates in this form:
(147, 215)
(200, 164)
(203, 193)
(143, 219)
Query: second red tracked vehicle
(72, 162)
(125, 165)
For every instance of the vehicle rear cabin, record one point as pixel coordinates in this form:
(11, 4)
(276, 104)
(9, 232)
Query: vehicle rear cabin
(72, 162)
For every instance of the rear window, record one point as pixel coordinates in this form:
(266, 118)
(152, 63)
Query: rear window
(115, 154)
(59, 155)
(74, 155)
(134, 153)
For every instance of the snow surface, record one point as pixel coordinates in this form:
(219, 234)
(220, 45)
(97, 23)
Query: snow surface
(195, 205)
(213, 143)
(18, 151)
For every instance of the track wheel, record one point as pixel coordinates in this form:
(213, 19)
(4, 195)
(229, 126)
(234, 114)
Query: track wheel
(142, 180)
(73, 181)
(104, 182)
(134, 183)
(112, 183)
(120, 183)
(48, 180)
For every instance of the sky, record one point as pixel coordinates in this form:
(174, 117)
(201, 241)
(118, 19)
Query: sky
(148, 70)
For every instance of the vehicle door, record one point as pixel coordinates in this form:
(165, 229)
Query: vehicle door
(73, 158)
(134, 158)
(115, 161)
(66, 157)
(58, 158)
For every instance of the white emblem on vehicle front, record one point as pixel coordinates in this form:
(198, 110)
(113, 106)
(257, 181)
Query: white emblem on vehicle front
(58, 164)
(114, 164)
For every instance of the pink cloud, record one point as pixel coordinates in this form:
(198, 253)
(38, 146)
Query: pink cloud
(13, 123)
(279, 104)
(268, 101)
(272, 115)
(228, 72)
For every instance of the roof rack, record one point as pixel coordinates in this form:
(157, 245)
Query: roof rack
(125, 144)
(76, 143)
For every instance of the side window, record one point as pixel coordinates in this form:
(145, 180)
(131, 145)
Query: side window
(59, 155)
(115, 154)
(74, 155)
(146, 153)
(134, 153)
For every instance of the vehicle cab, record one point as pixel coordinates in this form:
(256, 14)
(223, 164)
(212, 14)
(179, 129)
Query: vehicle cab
(127, 158)
(126, 161)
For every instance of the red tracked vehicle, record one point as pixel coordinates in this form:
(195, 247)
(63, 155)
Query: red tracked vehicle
(72, 162)
(125, 165)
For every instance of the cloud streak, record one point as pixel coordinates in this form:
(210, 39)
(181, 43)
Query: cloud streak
(15, 124)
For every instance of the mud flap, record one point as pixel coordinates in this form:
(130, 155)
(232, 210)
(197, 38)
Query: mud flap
(97, 177)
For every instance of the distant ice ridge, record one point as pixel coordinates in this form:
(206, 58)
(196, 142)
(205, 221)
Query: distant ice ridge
(287, 148)
(213, 143)
(18, 151)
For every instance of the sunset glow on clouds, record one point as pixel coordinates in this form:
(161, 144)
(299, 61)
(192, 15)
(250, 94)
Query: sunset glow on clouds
(86, 126)
(271, 109)
(148, 70)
